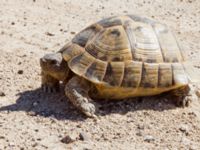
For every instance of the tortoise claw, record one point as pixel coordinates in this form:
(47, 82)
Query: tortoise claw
(88, 109)
(184, 102)
(49, 89)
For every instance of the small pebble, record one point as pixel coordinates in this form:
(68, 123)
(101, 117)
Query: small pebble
(140, 127)
(35, 104)
(69, 139)
(20, 72)
(2, 93)
(31, 113)
(105, 137)
(36, 130)
(2, 137)
(198, 93)
(139, 133)
(35, 144)
(49, 34)
(184, 128)
(86, 148)
(73, 32)
(192, 114)
(149, 138)
(78, 125)
(83, 136)
(12, 23)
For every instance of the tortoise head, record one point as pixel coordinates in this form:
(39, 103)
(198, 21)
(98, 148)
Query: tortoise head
(54, 65)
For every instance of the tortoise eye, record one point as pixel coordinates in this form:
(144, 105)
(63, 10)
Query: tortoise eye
(53, 62)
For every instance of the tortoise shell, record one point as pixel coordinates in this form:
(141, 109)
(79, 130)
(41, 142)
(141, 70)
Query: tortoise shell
(127, 51)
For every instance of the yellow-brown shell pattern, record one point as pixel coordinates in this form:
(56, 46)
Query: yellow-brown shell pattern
(127, 51)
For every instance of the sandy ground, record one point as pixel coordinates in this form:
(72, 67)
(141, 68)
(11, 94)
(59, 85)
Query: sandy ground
(31, 119)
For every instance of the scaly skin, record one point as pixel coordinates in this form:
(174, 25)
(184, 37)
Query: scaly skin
(77, 91)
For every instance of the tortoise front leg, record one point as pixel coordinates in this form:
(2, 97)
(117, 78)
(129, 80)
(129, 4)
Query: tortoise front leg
(182, 96)
(49, 83)
(77, 91)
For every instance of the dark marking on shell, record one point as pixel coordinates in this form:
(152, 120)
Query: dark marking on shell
(151, 60)
(126, 81)
(104, 58)
(148, 85)
(167, 60)
(138, 28)
(82, 37)
(92, 50)
(76, 60)
(130, 34)
(108, 75)
(132, 74)
(109, 22)
(115, 32)
(146, 80)
(90, 71)
(116, 59)
(171, 60)
(173, 78)
(174, 60)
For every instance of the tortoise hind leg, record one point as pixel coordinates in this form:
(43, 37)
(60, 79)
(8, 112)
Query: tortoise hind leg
(182, 96)
(77, 91)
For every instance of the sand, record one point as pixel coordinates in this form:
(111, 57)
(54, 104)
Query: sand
(31, 119)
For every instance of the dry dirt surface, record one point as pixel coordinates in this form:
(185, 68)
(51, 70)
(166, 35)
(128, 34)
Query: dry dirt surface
(33, 120)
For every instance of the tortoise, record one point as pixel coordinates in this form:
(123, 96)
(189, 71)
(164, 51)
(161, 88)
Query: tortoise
(117, 58)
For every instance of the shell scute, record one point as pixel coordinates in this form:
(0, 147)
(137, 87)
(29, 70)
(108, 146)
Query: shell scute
(96, 71)
(111, 44)
(80, 63)
(168, 44)
(132, 74)
(114, 73)
(144, 43)
(82, 37)
(165, 75)
(149, 75)
(71, 50)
